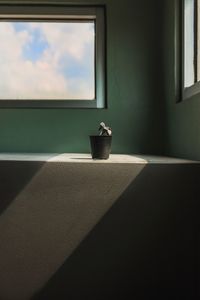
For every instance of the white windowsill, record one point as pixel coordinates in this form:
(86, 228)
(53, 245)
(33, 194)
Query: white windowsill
(86, 158)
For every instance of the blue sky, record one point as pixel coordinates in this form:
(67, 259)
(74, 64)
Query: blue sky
(61, 53)
(35, 48)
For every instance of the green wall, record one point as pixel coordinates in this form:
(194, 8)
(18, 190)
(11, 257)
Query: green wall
(182, 119)
(134, 92)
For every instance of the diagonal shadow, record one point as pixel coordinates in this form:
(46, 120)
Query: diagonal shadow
(145, 247)
(14, 176)
(49, 218)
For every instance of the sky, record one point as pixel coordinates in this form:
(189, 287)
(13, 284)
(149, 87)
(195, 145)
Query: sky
(46, 60)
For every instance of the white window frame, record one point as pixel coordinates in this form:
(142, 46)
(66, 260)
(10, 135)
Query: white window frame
(58, 11)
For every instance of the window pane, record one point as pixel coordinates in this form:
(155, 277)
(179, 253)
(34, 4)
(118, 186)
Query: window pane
(189, 72)
(198, 40)
(47, 60)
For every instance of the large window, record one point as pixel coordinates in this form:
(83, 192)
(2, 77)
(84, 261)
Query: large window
(190, 48)
(52, 56)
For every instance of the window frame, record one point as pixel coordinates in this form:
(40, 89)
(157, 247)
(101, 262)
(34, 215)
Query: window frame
(183, 92)
(57, 11)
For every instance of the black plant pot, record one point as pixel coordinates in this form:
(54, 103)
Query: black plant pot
(100, 146)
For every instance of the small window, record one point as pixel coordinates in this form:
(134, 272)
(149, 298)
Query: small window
(190, 48)
(52, 56)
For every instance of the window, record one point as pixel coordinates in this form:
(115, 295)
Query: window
(190, 48)
(52, 56)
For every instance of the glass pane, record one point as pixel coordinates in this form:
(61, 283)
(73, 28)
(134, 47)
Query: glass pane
(189, 70)
(47, 60)
(198, 40)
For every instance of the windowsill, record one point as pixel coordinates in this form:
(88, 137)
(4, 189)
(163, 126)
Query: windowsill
(86, 158)
(191, 91)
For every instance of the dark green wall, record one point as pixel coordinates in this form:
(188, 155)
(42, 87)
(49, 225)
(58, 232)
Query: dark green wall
(182, 119)
(135, 109)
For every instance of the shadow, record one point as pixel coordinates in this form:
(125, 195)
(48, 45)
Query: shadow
(14, 176)
(51, 216)
(145, 246)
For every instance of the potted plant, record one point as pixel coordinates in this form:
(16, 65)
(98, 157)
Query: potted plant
(101, 144)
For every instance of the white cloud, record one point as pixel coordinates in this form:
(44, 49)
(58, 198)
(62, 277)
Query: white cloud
(24, 78)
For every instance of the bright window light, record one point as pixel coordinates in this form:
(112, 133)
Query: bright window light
(47, 60)
(52, 56)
